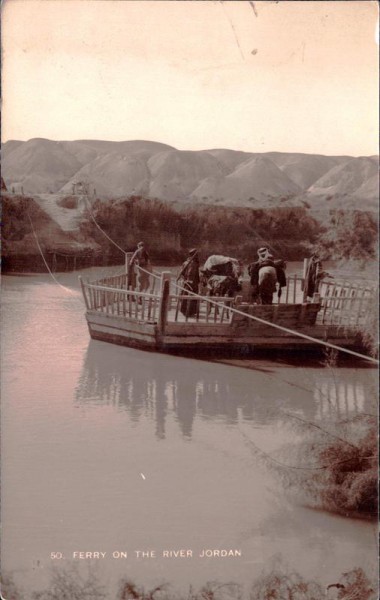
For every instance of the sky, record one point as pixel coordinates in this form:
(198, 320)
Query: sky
(253, 76)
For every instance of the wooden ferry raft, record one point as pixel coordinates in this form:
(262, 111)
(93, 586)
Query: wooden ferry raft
(153, 320)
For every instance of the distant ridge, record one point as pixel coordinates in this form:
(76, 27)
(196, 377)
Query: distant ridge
(215, 176)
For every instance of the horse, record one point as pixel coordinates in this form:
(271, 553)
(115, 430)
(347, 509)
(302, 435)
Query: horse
(222, 265)
(222, 286)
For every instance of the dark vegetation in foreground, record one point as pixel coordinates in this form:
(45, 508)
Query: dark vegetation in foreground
(278, 584)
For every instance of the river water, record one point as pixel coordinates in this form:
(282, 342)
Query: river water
(113, 450)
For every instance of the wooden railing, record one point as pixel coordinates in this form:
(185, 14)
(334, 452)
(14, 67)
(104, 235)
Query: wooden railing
(183, 307)
(346, 304)
(341, 303)
(112, 300)
(122, 281)
(116, 281)
(292, 293)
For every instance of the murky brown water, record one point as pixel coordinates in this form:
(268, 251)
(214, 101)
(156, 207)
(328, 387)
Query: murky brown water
(109, 449)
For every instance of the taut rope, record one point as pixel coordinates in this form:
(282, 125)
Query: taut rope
(281, 328)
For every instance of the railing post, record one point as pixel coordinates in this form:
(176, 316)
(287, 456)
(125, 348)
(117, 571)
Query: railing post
(84, 292)
(164, 301)
(129, 271)
(304, 286)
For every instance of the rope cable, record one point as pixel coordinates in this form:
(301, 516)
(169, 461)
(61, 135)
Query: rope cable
(280, 327)
(43, 258)
(102, 230)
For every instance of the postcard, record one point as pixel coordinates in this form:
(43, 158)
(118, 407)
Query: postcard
(189, 300)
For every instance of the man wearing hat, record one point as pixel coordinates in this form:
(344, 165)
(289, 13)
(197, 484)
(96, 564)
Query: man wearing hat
(263, 253)
(263, 277)
(189, 276)
(141, 260)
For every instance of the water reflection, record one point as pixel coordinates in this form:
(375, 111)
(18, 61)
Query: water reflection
(153, 387)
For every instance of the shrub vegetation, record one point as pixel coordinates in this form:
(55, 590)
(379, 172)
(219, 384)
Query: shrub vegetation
(289, 232)
(275, 584)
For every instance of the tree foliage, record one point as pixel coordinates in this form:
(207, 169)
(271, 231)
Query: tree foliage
(350, 235)
(289, 232)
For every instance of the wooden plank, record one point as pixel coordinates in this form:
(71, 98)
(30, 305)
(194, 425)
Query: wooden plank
(128, 292)
(184, 329)
(208, 308)
(333, 304)
(306, 262)
(164, 300)
(328, 300)
(287, 290)
(142, 308)
(345, 307)
(121, 324)
(361, 299)
(136, 307)
(198, 310)
(309, 314)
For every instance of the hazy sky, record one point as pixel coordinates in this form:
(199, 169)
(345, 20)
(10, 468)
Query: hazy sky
(262, 76)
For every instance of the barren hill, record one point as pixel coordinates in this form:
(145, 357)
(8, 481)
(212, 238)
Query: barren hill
(175, 174)
(252, 182)
(114, 175)
(221, 176)
(305, 169)
(39, 165)
(346, 178)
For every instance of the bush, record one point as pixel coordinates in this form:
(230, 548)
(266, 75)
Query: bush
(69, 584)
(282, 586)
(9, 590)
(238, 232)
(279, 585)
(342, 476)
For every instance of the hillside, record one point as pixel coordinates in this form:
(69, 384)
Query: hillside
(305, 169)
(252, 182)
(175, 174)
(117, 170)
(346, 178)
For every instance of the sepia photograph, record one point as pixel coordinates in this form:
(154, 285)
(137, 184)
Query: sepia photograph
(189, 300)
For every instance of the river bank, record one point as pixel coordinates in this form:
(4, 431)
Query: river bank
(34, 236)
